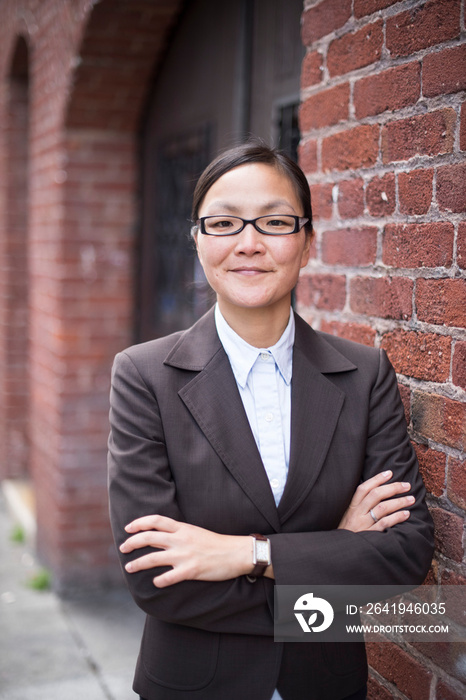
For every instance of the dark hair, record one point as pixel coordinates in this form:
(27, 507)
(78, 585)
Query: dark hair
(253, 151)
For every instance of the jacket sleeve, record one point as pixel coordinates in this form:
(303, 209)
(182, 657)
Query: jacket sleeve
(141, 483)
(400, 555)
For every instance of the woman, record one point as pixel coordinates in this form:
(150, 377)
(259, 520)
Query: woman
(252, 435)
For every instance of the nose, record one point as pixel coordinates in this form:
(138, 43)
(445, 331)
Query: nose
(249, 241)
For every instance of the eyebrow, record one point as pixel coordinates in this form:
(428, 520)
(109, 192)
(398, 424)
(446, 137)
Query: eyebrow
(266, 207)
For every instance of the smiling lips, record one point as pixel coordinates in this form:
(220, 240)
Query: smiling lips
(249, 270)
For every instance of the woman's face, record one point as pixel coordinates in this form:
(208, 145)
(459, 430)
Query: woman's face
(251, 270)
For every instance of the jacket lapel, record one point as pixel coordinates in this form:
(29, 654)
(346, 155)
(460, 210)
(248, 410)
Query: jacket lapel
(316, 405)
(213, 400)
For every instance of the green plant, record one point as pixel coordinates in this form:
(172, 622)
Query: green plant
(17, 534)
(41, 580)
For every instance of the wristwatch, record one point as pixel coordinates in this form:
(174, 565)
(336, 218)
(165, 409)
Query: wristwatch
(260, 555)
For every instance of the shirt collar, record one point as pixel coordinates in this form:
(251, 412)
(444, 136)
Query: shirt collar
(242, 356)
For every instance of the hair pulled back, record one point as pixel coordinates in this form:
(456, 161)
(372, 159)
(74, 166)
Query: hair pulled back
(253, 151)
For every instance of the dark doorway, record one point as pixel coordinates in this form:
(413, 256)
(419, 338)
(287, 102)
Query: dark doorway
(232, 69)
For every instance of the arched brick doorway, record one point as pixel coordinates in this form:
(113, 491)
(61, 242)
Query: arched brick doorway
(121, 44)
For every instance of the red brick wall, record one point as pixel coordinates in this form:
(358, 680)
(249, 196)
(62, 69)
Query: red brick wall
(90, 69)
(384, 134)
(14, 282)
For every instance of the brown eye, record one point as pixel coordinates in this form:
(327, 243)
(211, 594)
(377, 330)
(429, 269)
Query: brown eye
(222, 225)
(277, 224)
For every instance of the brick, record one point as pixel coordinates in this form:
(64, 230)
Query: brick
(367, 7)
(448, 656)
(415, 191)
(407, 674)
(444, 72)
(439, 419)
(324, 18)
(325, 108)
(426, 134)
(352, 51)
(451, 190)
(453, 595)
(456, 482)
(380, 195)
(405, 394)
(376, 691)
(461, 246)
(463, 127)
(418, 245)
(382, 296)
(350, 246)
(442, 301)
(326, 292)
(432, 467)
(311, 70)
(450, 577)
(322, 200)
(351, 149)
(420, 355)
(459, 364)
(351, 198)
(357, 332)
(432, 577)
(307, 153)
(425, 25)
(392, 89)
(446, 692)
(448, 533)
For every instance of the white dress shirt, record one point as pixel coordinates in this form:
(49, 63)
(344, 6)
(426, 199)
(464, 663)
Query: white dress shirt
(263, 376)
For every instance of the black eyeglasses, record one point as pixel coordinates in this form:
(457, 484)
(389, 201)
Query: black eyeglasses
(271, 225)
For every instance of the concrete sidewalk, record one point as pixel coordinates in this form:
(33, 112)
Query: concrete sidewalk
(61, 650)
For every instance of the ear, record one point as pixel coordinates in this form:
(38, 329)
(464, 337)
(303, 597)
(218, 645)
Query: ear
(194, 235)
(307, 249)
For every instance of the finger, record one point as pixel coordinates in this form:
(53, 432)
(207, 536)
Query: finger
(367, 486)
(153, 522)
(149, 561)
(393, 505)
(391, 520)
(170, 577)
(382, 493)
(146, 538)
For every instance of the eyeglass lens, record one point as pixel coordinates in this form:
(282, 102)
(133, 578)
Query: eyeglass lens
(273, 224)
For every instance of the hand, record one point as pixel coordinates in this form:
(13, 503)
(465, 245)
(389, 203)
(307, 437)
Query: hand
(193, 552)
(372, 495)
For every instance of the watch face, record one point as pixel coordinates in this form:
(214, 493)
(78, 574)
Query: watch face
(262, 551)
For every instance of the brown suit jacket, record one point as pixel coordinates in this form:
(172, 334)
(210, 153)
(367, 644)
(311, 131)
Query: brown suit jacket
(181, 446)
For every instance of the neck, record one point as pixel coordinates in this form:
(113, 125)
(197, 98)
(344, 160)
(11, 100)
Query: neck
(261, 328)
